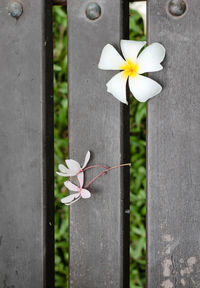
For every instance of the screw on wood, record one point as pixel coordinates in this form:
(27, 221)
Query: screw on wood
(15, 9)
(177, 7)
(93, 11)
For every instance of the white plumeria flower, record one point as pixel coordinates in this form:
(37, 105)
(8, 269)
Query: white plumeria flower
(74, 168)
(80, 193)
(143, 88)
(141, 8)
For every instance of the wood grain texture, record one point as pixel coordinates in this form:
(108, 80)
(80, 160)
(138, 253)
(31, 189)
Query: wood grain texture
(26, 149)
(99, 237)
(173, 151)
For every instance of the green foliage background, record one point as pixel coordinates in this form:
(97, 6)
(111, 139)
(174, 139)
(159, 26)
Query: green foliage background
(138, 171)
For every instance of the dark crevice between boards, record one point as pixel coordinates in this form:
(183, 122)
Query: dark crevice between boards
(60, 143)
(64, 2)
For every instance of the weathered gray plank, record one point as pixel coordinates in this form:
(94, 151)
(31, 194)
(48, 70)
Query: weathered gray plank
(26, 149)
(99, 123)
(173, 152)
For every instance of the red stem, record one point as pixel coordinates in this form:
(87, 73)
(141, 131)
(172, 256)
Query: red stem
(94, 166)
(105, 171)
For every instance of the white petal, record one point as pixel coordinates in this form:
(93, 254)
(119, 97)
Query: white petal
(71, 186)
(110, 59)
(117, 87)
(73, 165)
(85, 194)
(143, 87)
(69, 198)
(150, 58)
(80, 177)
(87, 158)
(62, 168)
(130, 49)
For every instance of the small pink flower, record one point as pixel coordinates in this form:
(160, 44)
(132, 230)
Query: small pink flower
(74, 168)
(81, 193)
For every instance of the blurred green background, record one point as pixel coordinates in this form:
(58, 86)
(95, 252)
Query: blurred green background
(138, 147)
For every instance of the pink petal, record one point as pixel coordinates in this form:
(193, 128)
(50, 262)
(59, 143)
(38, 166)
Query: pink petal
(71, 186)
(85, 194)
(69, 198)
(73, 165)
(62, 174)
(66, 174)
(80, 177)
(73, 201)
(62, 168)
(87, 158)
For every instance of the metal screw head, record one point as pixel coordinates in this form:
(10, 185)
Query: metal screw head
(15, 9)
(93, 11)
(177, 7)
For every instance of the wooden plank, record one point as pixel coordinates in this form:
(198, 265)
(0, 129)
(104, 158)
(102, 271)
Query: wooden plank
(173, 151)
(26, 150)
(99, 242)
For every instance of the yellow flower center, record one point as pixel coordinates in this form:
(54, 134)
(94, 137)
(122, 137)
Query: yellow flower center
(130, 69)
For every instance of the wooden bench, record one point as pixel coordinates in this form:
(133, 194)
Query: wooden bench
(99, 228)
